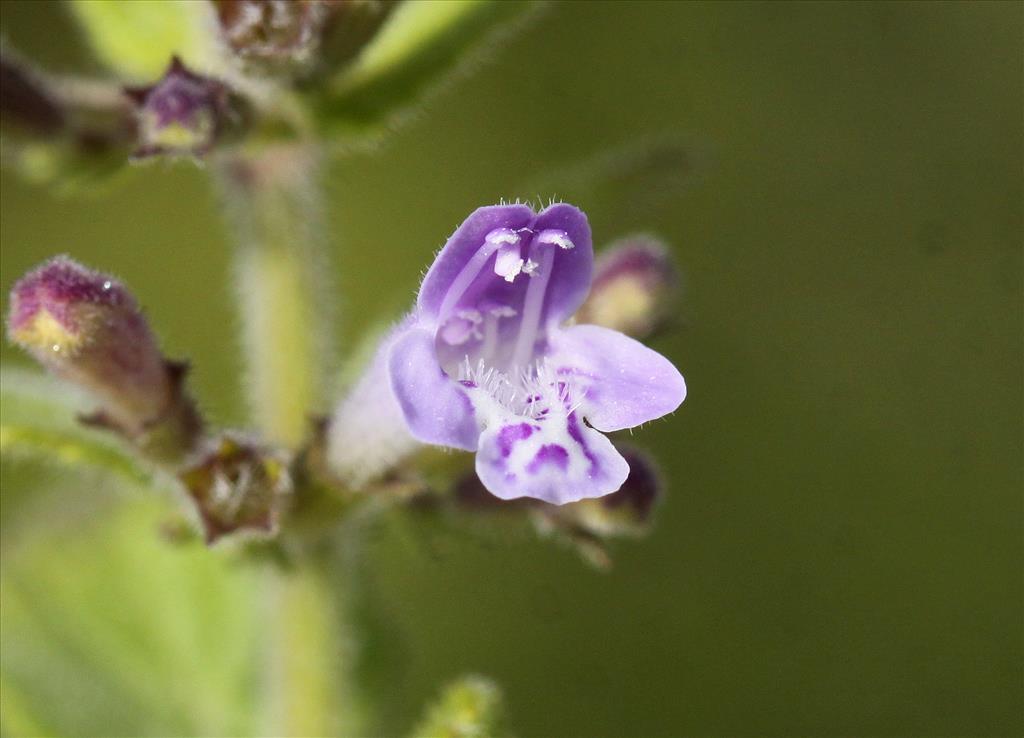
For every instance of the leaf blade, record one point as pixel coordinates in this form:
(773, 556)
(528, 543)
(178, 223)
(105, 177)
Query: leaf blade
(422, 44)
(137, 39)
(38, 420)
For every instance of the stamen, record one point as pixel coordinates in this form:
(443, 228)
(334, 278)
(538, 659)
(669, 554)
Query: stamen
(558, 238)
(490, 343)
(508, 263)
(533, 393)
(532, 306)
(492, 242)
(461, 327)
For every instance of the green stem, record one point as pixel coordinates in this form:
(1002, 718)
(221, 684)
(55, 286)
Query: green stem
(308, 687)
(276, 214)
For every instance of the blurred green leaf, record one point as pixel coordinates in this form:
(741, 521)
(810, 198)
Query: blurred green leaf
(68, 450)
(421, 44)
(115, 632)
(136, 38)
(65, 167)
(468, 708)
(38, 420)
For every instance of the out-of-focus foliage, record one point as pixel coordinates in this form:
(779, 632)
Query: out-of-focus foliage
(136, 39)
(468, 708)
(38, 420)
(118, 633)
(419, 44)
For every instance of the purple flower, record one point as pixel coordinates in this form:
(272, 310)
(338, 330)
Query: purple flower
(486, 363)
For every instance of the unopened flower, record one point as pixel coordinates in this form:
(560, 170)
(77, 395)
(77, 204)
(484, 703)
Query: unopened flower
(271, 30)
(185, 113)
(484, 363)
(238, 484)
(634, 283)
(87, 328)
(298, 38)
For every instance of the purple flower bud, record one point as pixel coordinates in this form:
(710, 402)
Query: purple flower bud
(86, 327)
(634, 283)
(238, 485)
(185, 113)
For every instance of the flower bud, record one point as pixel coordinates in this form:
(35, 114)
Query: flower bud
(469, 707)
(271, 31)
(628, 511)
(298, 38)
(66, 131)
(85, 327)
(185, 113)
(634, 284)
(238, 485)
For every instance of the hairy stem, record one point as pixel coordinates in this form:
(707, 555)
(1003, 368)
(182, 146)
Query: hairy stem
(276, 214)
(308, 690)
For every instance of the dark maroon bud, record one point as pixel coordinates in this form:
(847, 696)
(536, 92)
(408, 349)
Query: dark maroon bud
(238, 485)
(633, 504)
(186, 114)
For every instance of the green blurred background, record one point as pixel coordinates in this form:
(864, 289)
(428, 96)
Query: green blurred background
(840, 549)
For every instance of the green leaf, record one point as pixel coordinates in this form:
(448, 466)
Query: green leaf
(112, 631)
(421, 44)
(468, 708)
(136, 38)
(69, 450)
(38, 420)
(65, 167)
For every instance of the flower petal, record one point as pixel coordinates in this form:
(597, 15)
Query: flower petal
(466, 241)
(436, 408)
(574, 263)
(621, 382)
(557, 460)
